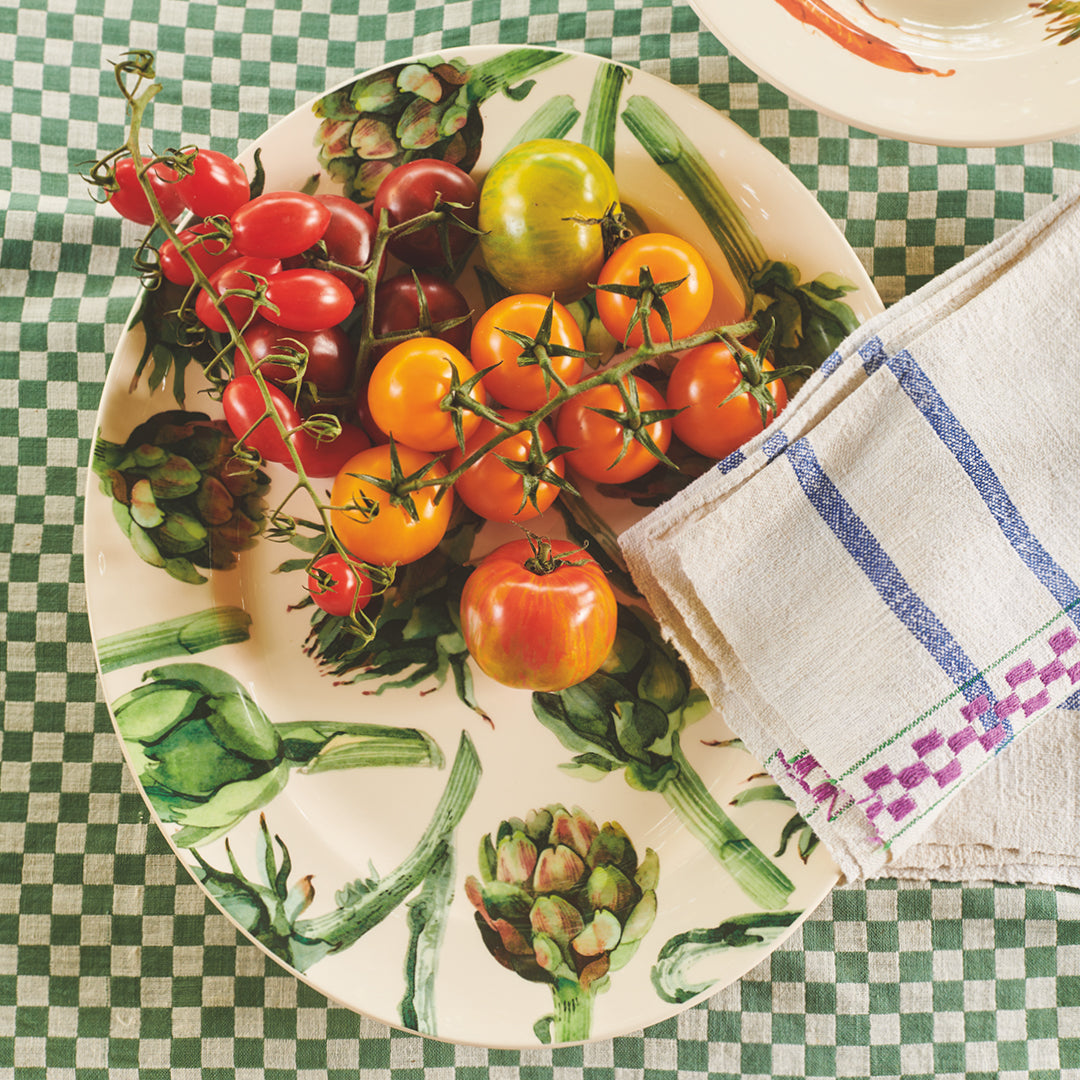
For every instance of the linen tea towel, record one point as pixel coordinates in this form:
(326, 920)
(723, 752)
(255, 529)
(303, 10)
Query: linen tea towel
(880, 590)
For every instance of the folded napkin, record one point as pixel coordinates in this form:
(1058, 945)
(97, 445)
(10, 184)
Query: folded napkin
(880, 591)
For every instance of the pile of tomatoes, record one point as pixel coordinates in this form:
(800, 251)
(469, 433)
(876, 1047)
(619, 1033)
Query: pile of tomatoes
(300, 258)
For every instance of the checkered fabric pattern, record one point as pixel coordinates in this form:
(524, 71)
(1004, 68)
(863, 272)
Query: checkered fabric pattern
(112, 963)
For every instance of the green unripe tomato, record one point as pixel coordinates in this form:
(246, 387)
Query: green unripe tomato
(542, 208)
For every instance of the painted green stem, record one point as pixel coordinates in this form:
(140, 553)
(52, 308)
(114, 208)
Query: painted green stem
(500, 73)
(672, 973)
(572, 1018)
(551, 121)
(752, 870)
(602, 113)
(669, 147)
(357, 746)
(427, 928)
(184, 635)
(343, 926)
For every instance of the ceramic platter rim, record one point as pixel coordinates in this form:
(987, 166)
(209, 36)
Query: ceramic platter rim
(319, 817)
(997, 79)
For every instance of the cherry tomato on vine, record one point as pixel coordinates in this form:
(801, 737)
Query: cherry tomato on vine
(541, 212)
(279, 224)
(598, 440)
(702, 379)
(337, 587)
(407, 389)
(490, 487)
(210, 256)
(535, 622)
(391, 535)
(349, 238)
(523, 387)
(235, 275)
(413, 189)
(669, 258)
(330, 354)
(307, 299)
(243, 403)
(130, 201)
(397, 309)
(218, 185)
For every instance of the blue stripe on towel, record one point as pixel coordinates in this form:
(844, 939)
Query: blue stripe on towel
(917, 385)
(773, 446)
(731, 462)
(884, 575)
(1071, 702)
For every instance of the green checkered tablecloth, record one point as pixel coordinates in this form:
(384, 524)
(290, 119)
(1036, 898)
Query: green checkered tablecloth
(111, 960)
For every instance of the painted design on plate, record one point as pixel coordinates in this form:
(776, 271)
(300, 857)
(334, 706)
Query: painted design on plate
(271, 910)
(563, 901)
(207, 755)
(849, 35)
(1062, 22)
(558, 898)
(179, 494)
(1062, 19)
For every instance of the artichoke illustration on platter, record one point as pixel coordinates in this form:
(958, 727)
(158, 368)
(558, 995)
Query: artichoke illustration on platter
(426, 108)
(563, 901)
(179, 495)
(207, 755)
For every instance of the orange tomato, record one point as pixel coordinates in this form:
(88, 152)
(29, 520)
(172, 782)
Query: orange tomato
(408, 388)
(391, 535)
(523, 386)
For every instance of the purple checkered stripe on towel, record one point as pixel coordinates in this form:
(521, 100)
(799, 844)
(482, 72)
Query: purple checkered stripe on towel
(938, 757)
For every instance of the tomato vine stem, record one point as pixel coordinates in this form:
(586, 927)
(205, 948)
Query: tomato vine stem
(611, 375)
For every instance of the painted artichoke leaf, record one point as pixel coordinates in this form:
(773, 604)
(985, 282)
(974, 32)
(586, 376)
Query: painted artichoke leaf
(165, 352)
(1063, 19)
(811, 318)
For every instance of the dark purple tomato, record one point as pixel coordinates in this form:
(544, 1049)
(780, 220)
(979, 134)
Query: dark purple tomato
(397, 309)
(330, 354)
(349, 238)
(412, 189)
(327, 458)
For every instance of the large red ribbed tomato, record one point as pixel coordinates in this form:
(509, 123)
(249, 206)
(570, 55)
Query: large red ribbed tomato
(538, 614)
